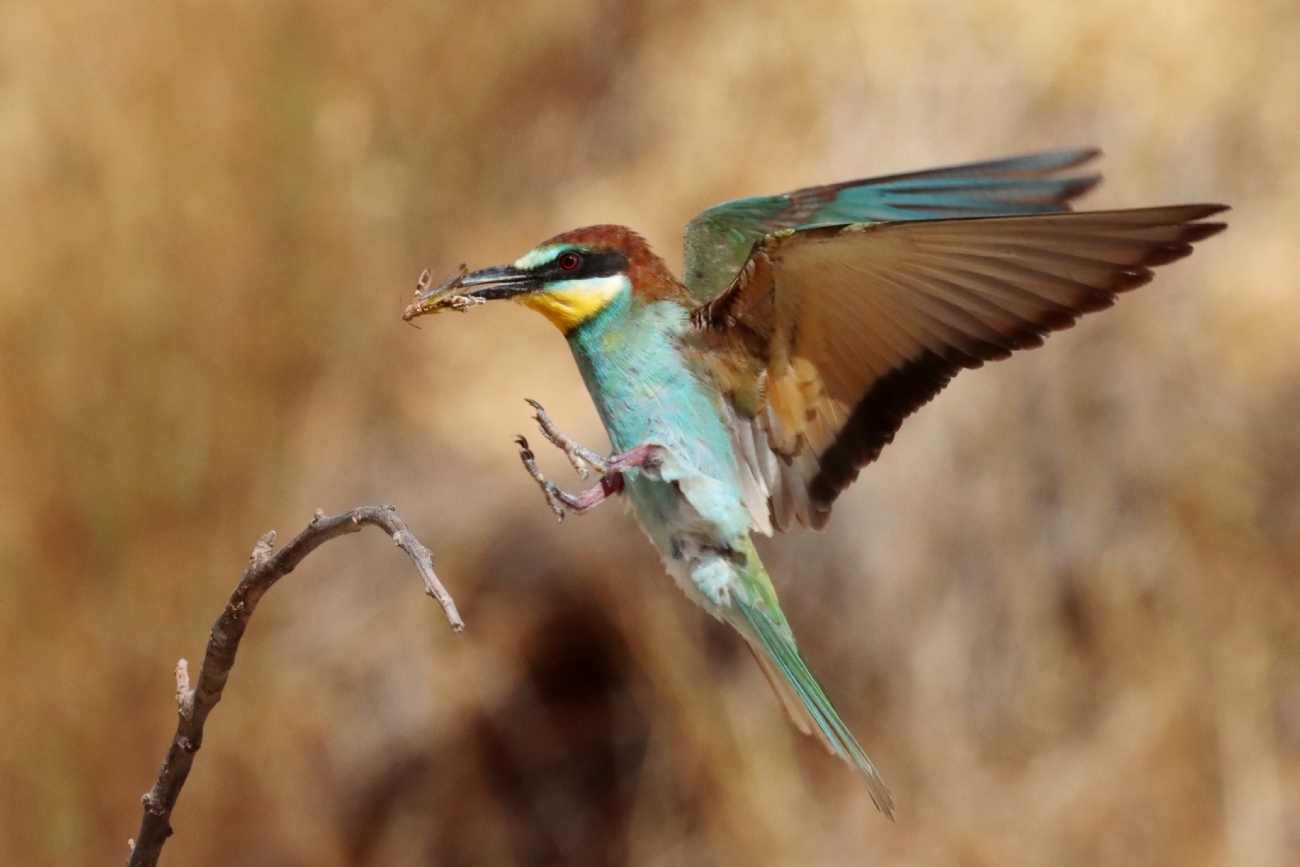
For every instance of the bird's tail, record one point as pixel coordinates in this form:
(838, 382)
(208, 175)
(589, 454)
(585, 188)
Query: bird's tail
(769, 637)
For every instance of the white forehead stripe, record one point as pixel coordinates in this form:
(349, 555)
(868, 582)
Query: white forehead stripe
(537, 257)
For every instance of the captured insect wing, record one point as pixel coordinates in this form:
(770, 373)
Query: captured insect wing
(445, 296)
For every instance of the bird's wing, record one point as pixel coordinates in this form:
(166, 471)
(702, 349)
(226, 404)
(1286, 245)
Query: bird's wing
(718, 240)
(829, 337)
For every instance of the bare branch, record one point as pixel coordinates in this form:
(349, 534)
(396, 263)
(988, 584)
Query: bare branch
(265, 567)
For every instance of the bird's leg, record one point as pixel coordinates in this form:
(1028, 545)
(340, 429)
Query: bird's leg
(580, 456)
(558, 498)
(609, 485)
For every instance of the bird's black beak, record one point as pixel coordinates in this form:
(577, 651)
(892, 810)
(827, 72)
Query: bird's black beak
(500, 282)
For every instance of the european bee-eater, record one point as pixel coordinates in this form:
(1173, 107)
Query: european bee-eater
(808, 326)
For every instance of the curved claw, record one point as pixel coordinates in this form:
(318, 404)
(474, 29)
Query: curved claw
(559, 440)
(553, 493)
(579, 456)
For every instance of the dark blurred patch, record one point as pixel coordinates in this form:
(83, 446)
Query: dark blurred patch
(1277, 435)
(1077, 618)
(559, 758)
(563, 753)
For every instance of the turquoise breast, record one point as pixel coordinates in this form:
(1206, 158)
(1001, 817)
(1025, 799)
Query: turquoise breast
(646, 392)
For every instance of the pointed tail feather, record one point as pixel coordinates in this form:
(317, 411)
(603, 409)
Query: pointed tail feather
(794, 706)
(803, 697)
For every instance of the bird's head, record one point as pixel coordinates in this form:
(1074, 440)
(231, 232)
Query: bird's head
(574, 276)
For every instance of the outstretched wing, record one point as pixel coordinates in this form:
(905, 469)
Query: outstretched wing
(718, 240)
(829, 337)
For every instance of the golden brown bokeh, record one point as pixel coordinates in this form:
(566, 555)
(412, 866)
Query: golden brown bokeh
(1061, 612)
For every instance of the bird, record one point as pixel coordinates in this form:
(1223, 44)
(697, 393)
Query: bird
(745, 397)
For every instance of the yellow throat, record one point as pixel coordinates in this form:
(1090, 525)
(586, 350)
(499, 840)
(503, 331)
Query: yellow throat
(570, 303)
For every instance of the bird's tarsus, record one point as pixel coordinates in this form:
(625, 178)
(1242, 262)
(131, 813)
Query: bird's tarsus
(558, 498)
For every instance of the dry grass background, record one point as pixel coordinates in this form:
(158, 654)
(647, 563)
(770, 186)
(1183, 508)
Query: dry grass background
(1061, 612)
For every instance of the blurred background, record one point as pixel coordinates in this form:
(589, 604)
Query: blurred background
(1061, 612)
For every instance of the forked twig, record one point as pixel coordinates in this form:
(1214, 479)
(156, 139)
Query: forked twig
(194, 705)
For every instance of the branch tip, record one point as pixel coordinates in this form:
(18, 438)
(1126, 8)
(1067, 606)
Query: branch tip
(182, 676)
(263, 548)
(184, 695)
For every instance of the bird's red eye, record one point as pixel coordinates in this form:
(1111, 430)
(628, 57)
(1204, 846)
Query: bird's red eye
(570, 261)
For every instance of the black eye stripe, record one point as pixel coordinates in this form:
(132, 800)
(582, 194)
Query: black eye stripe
(601, 263)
